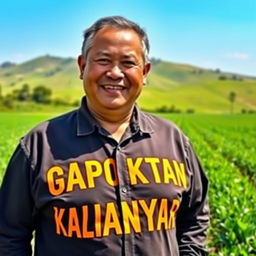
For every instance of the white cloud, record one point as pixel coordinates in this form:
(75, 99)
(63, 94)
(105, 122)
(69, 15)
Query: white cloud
(237, 56)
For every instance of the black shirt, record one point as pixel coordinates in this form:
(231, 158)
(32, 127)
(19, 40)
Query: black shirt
(86, 194)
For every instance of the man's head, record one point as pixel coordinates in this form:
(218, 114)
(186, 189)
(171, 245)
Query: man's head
(118, 22)
(114, 64)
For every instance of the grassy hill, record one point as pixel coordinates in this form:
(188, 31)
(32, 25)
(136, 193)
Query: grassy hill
(169, 84)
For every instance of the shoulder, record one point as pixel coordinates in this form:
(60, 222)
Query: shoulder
(158, 123)
(51, 127)
(166, 129)
(55, 122)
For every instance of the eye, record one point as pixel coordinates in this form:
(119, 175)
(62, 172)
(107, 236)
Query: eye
(103, 61)
(129, 63)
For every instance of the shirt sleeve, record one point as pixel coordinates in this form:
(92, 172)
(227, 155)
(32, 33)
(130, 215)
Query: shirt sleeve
(16, 204)
(193, 217)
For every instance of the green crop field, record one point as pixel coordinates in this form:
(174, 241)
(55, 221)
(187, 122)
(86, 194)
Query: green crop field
(226, 145)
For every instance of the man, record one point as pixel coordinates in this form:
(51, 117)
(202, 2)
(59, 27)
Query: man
(106, 179)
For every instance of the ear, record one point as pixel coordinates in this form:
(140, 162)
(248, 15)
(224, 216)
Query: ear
(81, 64)
(146, 70)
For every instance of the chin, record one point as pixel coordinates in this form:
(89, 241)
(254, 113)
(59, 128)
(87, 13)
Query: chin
(116, 105)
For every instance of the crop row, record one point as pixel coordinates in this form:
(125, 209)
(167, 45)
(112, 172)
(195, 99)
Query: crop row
(234, 150)
(235, 139)
(232, 200)
(239, 130)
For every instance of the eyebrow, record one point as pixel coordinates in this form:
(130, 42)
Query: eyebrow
(130, 55)
(102, 53)
(106, 53)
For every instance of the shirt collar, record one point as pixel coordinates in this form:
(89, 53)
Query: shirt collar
(141, 121)
(86, 124)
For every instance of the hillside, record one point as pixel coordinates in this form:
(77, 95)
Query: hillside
(170, 84)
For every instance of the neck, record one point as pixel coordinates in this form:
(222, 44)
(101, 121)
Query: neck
(114, 121)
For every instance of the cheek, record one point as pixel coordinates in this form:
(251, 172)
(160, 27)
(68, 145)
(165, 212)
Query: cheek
(136, 77)
(93, 72)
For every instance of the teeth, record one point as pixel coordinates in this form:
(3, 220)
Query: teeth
(113, 87)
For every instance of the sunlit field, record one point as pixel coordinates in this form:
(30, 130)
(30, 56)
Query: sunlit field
(226, 146)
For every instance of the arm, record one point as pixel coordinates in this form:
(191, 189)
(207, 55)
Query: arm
(16, 204)
(193, 217)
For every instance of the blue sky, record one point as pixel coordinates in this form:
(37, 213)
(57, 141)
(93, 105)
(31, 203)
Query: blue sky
(210, 33)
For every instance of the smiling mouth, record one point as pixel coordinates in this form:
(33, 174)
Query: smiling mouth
(113, 87)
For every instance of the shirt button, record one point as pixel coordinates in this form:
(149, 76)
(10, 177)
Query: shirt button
(124, 190)
(118, 148)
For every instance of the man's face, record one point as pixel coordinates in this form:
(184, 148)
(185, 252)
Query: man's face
(114, 70)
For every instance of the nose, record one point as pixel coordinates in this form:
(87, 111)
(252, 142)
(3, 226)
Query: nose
(115, 72)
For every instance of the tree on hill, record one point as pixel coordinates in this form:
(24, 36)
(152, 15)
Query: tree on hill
(24, 93)
(7, 64)
(8, 101)
(41, 94)
(155, 61)
(223, 77)
(232, 98)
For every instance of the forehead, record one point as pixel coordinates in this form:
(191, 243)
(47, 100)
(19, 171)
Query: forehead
(115, 38)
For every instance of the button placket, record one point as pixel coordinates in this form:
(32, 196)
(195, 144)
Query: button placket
(124, 192)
